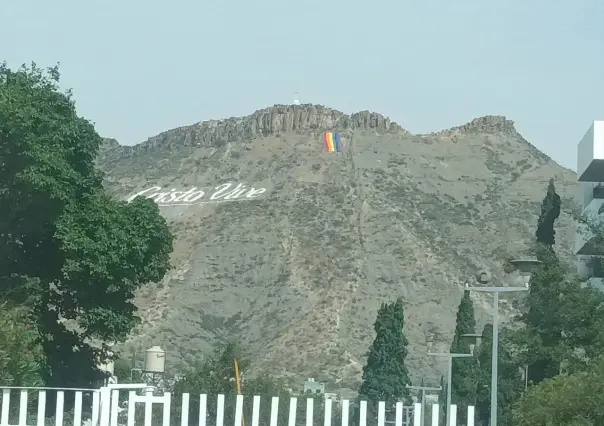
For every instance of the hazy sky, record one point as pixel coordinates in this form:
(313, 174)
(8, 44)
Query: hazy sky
(140, 67)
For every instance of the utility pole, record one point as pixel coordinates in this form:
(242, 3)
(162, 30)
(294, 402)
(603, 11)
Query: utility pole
(423, 390)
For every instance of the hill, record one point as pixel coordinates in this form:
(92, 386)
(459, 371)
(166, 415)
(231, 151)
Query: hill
(292, 249)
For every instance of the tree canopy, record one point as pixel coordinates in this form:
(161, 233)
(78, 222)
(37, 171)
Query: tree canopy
(70, 253)
(385, 376)
(565, 400)
(463, 384)
(550, 211)
(21, 358)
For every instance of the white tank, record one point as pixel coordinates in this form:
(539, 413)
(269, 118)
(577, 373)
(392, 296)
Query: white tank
(155, 360)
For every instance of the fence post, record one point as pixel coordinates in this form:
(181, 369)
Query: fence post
(167, 407)
(77, 410)
(42, 408)
(327, 420)
(293, 405)
(471, 415)
(309, 412)
(345, 411)
(435, 415)
(363, 413)
(453, 415)
(203, 399)
(60, 408)
(105, 402)
(115, 405)
(418, 414)
(398, 413)
(381, 413)
(184, 410)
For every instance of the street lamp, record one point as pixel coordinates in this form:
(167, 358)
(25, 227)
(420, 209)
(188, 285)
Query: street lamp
(449, 356)
(525, 266)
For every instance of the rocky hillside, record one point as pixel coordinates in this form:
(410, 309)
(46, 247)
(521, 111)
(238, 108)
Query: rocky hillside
(291, 249)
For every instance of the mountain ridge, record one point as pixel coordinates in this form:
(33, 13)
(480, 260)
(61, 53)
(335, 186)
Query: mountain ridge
(298, 272)
(307, 114)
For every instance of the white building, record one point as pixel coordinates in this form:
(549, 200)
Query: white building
(590, 174)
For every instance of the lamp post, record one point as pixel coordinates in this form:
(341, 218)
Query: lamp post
(449, 356)
(423, 390)
(525, 267)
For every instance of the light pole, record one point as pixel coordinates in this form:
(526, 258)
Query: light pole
(525, 267)
(449, 356)
(423, 390)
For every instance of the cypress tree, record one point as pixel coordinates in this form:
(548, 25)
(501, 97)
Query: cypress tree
(550, 211)
(385, 376)
(543, 319)
(483, 394)
(463, 380)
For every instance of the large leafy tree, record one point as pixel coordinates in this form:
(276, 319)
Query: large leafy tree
(463, 382)
(385, 376)
(68, 252)
(565, 400)
(582, 320)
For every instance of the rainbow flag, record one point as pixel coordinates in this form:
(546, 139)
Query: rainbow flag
(332, 141)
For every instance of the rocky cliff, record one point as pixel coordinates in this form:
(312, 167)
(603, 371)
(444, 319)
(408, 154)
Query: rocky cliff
(291, 249)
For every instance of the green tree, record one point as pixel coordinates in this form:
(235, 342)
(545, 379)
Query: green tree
(565, 400)
(550, 211)
(542, 318)
(68, 251)
(385, 376)
(21, 358)
(463, 381)
(582, 320)
(510, 383)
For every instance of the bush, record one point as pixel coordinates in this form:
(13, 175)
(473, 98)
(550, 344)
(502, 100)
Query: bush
(21, 358)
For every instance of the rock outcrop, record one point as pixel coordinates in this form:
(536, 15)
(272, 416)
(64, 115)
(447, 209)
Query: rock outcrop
(268, 121)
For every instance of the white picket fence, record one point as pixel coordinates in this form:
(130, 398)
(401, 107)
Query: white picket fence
(104, 409)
